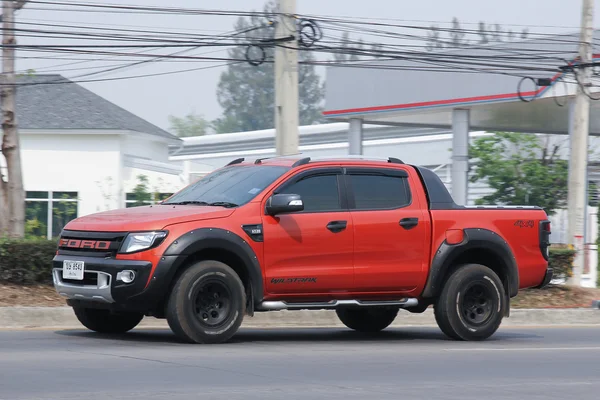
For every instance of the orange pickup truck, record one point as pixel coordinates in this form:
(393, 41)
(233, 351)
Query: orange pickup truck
(365, 238)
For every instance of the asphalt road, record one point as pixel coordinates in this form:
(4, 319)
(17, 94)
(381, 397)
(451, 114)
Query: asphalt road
(409, 363)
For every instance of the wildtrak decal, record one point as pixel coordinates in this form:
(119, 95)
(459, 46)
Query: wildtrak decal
(276, 281)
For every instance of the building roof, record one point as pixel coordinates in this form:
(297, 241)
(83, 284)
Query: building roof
(308, 135)
(54, 102)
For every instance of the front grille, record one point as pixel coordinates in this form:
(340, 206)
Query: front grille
(90, 244)
(89, 279)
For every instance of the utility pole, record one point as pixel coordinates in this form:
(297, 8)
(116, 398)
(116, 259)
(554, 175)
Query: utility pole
(286, 79)
(12, 192)
(578, 157)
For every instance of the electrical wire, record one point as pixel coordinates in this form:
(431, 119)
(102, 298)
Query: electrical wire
(69, 81)
(501, 58)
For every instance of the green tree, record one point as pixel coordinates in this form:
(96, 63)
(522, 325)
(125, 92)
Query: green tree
(247, 92)
(191, 125)
(347, 49)
(457, 36)
(141, 192)
(522, 169)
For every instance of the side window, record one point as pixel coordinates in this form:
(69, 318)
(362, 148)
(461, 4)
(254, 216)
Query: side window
(318, 192)
(376, 192)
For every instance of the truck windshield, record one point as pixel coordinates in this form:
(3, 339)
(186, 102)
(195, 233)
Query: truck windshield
(230, 186)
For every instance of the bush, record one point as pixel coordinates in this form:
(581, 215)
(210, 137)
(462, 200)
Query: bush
(561, 261)
(26, 261)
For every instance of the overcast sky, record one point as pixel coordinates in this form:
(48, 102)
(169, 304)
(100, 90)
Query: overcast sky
(156, 98)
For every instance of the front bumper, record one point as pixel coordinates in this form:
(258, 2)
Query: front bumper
(100, 284)
(546, 280)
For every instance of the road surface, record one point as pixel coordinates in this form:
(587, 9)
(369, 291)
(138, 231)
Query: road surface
(410, 363)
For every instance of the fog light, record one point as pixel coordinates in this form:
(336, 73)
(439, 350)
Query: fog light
(126, 276)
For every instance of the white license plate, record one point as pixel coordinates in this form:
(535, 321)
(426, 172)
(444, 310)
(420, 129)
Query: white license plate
(73, 270)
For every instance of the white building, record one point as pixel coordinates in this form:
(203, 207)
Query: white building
(82, 154)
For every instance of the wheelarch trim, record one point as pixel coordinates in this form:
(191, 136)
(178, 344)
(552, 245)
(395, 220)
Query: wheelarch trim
(474, 238)
(201, 239)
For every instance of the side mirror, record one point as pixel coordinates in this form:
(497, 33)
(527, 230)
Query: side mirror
(284, 203)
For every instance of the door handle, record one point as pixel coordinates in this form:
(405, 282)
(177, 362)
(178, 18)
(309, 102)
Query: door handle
(337, 226)
(409, 223)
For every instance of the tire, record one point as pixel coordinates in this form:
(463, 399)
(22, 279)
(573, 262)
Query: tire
(472, 304)
(207, 303)
(104, 321)
(367, 320)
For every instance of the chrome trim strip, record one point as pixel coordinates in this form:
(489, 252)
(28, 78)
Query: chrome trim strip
(283, 305)
(99, 292)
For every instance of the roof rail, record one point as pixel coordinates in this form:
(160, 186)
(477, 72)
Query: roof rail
(300, 162)
(259, 160)
(237, 161)
(360, 157)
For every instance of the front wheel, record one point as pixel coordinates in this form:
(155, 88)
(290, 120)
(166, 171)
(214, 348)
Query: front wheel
(472, 303)
(105, 321)
(207, 303)
(368, 320)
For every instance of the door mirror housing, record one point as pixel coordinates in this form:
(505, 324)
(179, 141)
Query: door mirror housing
(284, 203)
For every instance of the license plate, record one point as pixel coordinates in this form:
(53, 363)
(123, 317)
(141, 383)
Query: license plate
(73, 270)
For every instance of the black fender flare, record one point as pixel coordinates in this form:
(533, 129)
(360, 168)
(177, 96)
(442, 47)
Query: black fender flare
(474, 238)
(196, 240)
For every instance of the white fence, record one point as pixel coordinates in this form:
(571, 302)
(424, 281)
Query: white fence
(559, 236)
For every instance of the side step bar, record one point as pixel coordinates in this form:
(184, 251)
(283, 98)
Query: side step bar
(284, 305)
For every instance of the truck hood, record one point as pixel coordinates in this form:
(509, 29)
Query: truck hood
(146, 218)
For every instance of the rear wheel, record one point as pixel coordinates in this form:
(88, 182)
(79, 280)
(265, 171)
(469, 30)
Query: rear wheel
(367, 319)
(207, 303)
(105, 321)
(472, 304)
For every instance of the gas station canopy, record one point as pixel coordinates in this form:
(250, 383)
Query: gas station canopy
(518, 86)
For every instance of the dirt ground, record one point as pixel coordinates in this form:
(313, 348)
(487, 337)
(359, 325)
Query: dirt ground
(41, 296)
(551, 297)
(558, 296)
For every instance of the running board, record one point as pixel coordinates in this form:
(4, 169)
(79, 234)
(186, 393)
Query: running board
(284, 305)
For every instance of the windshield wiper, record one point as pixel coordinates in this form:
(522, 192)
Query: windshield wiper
(183, 203)
(225, 204)
(204, 203)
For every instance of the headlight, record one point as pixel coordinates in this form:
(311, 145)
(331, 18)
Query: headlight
(142, 241)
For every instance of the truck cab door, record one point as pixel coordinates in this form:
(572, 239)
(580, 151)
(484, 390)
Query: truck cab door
(391, 229)
(310, 251)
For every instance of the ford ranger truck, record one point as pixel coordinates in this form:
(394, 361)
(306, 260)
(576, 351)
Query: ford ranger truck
(365, 238)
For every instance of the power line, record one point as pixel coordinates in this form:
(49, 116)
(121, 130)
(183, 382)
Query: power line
(122, 8)
(68, 81)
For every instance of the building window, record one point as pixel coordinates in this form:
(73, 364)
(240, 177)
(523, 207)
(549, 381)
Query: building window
(47, 213)
(144, 198)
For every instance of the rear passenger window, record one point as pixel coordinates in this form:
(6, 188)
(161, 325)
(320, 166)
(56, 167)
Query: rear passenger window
(376, 192)
(319, 192)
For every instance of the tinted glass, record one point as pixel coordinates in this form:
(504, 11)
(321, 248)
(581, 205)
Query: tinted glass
(379, 192)
(37, 195)
(234, 184)
(319, 193)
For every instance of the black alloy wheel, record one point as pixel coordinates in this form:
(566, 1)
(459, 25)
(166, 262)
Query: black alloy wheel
(478, 304)
(212, 302)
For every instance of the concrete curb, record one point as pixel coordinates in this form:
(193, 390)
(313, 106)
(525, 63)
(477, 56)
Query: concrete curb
(63, 318)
